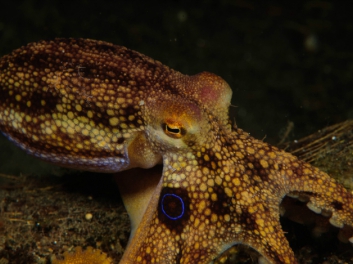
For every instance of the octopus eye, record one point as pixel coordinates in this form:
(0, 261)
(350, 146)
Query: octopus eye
(172, 206)
(173, 131)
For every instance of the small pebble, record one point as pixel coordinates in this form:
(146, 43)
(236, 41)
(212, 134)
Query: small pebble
(88, 216)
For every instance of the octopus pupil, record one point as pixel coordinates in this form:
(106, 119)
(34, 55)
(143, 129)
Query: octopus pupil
(172, 130)
(172, 206)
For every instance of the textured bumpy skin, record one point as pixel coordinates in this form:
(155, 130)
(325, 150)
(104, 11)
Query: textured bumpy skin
(96, 106)
(79, 103)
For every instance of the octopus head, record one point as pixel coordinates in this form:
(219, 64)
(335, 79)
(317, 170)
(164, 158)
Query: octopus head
(174, 123)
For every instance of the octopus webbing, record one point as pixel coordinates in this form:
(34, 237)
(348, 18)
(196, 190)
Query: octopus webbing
(96, 106)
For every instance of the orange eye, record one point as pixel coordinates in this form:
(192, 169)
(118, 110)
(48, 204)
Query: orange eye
(174, 131)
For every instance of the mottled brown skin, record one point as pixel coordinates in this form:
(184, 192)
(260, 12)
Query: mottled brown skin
(95, 106)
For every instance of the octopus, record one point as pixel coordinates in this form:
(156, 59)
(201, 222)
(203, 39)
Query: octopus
(95, 106)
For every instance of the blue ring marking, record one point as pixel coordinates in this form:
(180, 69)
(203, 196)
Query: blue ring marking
(182, 206)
